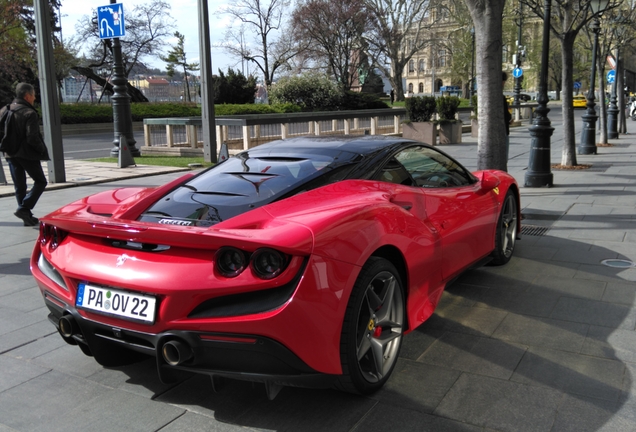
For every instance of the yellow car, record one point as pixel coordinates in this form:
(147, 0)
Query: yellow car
(579, 101)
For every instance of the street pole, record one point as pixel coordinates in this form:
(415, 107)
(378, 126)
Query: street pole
(612, 111)
(51, 121)
(538, 173)
(517, 89)
(208, 125)
(622, 95)
(122, 118)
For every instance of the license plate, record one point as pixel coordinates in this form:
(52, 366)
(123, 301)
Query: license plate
(120, 303)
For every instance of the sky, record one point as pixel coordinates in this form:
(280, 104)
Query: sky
(185, 15)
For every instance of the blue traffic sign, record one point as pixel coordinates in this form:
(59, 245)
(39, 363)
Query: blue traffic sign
(577, 85)
(110, 19)
(517, 72)
(611, 76)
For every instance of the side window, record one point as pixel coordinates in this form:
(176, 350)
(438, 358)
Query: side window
(432, 169)
(394, 172)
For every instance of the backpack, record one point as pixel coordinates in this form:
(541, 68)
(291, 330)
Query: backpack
(9, 136)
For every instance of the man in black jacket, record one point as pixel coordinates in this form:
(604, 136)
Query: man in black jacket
(27, 160)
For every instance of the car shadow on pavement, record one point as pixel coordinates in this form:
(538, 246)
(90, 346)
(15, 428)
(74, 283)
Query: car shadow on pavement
(537, 345)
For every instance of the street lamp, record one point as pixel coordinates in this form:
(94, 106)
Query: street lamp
(518, 58)
(614, 109)
(538, 173)
(588, 134)
(122, 118)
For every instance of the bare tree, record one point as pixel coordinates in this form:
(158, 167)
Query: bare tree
(487, 18)
(334, 31)
(147, 27)
(460, 47)
(264, 18)
(401, 28)
(569, 18)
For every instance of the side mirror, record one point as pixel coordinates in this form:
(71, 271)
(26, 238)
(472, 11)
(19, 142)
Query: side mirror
(489, 181)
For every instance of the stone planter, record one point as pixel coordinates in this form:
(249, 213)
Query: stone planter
(474, 128)
(425, 132)
(450, 132)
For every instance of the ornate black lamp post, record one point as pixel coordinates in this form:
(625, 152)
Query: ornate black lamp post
(614, 109)
(588, 134)
(538, 173)
(122, 118)
(612, 113)
(518, 58)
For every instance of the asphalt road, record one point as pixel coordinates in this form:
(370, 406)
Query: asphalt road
(92, 146)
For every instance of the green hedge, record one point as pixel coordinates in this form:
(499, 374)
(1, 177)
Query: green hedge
(103, 113)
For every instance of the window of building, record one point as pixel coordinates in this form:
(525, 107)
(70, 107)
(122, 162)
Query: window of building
(421, 65)
(410, 87)
(421, 88)
(411, 66)
(441, 58)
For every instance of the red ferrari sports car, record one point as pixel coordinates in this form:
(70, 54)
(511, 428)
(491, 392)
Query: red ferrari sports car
(299, 262)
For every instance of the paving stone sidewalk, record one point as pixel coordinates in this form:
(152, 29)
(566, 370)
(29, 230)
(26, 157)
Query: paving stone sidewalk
(546, 343)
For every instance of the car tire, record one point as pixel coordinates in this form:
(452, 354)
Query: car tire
(373, 327)
(506, 233)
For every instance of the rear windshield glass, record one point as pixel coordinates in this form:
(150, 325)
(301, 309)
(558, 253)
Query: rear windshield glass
(261, 177)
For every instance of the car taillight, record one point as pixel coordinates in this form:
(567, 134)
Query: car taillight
(268, 263)
(230, 261)
(51, 235)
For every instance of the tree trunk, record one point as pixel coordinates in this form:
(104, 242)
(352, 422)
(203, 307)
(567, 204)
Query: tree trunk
(602, 107)
(187, 85)
(133, 92)
(568, 155)
(620, 94)
(487, 17)
(396, 82)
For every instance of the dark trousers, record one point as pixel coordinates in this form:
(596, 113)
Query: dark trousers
(19, 169)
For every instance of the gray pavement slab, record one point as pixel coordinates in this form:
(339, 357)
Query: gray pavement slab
(417, 386)
(388, 418)
(491, 357)
(573, 373)
(545, 343)
(542, 332)
(502, 405)
(114, 411)
(14, 372)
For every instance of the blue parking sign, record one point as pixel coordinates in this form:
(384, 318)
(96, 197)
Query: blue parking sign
(110, 19)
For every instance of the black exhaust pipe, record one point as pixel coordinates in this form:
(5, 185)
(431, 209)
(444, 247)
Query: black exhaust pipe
(175, 352)
(67, 326)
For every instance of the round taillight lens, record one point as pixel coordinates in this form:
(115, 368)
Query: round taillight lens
(45, 233)
(230, 261)
(268, 263)
(57, 236)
